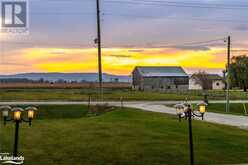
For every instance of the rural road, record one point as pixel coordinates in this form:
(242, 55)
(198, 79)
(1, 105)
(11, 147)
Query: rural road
(156, 106)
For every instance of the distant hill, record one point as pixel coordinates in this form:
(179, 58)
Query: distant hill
(79, 77)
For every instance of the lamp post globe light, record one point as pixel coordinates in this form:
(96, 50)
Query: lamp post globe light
(180, 110)
(202, 109)
(189, 113)
(31, 113)
(5, 112)
(16, 114)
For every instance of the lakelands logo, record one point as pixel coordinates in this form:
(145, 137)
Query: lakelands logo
(6, 158)
(14, 16)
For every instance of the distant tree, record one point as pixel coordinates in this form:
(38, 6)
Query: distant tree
(61, 81)
(41, 80)
(202, 79)
(15, 80)
(238, 74)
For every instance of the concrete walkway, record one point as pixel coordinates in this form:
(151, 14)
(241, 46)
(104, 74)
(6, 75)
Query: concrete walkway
(156, 106)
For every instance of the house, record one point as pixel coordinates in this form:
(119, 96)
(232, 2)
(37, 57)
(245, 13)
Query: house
(160, 78)
(216, 82)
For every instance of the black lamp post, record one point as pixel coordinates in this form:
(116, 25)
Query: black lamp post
(17, 117)
(185, 110)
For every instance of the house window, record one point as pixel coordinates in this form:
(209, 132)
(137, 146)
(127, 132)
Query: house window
(217, 84)
(176, 86)
(168, 87)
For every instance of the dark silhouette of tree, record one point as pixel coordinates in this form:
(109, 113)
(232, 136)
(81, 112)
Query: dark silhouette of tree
(239, 72)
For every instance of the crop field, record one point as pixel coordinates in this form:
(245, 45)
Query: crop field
(63, 85)
(110, 94)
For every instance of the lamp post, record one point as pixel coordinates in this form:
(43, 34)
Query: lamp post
(189, 113)
(17, 117)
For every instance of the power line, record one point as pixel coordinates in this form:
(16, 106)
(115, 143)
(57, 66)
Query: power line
(174, 5)
(173, 18)
(167, 45)
(140, 16)
(195, 3)
(158, 45)
(157, 2)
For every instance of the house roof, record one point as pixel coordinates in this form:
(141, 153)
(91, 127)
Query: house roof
(214, 77)
(164, 71)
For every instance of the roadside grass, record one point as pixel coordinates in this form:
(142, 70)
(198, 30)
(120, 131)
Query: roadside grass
(235, 108)
(125, 136)
(112, 94)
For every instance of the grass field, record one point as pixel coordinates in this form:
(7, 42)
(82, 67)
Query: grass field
(111, 94)
(66, 135)
(235, 108)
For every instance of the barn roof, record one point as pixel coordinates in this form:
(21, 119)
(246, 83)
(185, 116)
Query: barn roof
(164, 71)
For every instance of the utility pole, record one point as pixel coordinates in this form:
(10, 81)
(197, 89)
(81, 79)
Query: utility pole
(98, 41)
(228, 71)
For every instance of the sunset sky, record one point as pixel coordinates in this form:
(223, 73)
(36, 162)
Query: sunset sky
(134, 32)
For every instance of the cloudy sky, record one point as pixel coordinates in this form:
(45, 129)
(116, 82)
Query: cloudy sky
(134, 32)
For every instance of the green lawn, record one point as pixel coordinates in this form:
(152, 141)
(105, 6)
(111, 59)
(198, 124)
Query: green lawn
(115, 94)
(235, 108)
(66, 135)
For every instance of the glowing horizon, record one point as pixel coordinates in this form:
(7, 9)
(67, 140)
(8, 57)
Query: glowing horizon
(119, 61)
